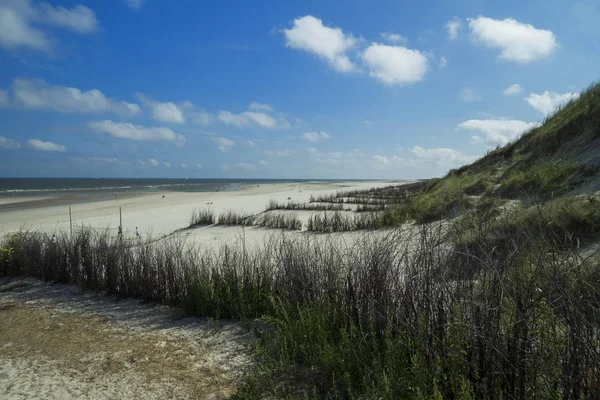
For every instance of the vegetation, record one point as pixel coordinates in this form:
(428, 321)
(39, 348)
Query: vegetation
(280, 221)
(274, 205)
(340, 222)
(202, 217)
(231, 217)
(390, 316)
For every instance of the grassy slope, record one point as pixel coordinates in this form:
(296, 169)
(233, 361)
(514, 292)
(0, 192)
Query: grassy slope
(558, 159)
(562, 155)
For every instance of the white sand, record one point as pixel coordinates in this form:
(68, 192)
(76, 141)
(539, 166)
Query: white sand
(157, 216)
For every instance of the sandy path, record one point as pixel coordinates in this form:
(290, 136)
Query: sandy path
(57, 342)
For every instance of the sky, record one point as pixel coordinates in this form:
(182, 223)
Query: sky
(305, 89)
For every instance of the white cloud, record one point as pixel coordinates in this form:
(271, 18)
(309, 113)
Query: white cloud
(79, 19)
(166, 164)
(331, 44)
(6, 143)
(469, 95)
(137, 132)
(368, 122)
(248, 118)
(443, 62)
(260, 107)
(548, 102)
(134, 4)
(453, 26)
(154, 163)
(518, 42)
(443, 156)
(261, 119)
(46, 146)
(395, 65)
(250, 143)
(202, 117)
(37, 94)
(183, 165)
(279, 153)
(394, 38)
(515, 88)
(229, 118)
(199, 166)
(315, 136)
(164, 112)
(263, 162)
(224, 144)
(20, 23)
(497, 131)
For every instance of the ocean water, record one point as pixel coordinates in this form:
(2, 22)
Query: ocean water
(74, 186)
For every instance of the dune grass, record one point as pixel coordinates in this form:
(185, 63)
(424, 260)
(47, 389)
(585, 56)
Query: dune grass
(387, 316)
(202, 217)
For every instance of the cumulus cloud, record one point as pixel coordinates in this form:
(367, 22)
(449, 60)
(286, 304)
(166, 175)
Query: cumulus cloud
(166, 164)
(250, 143)
(22, 23)
(331, 44)
(154, 163)
(315, 136)
(164, 112)
(79, 19)
(202, 117)
(37, 94)
(229, 118)
(7, 143)
(183, 165)
(263, 162)
(260, 107)
(199, 166)
(261, 119)
(453, 26)
(395, 65)
(394, 38)
(443, 156)
(248, 118)
(548, 102)
(137, 132)
(443, 62)
(46, 146)
(224, 144)
(496, 131)
(518, 42)
(515, 88)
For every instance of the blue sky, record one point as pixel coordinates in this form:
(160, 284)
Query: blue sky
(281, 89)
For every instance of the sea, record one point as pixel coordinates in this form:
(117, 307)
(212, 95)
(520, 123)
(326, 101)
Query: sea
(82, 186)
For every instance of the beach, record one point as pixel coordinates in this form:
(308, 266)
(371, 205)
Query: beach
(160, 214)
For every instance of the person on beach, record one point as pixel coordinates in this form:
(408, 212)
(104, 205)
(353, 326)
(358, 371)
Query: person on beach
(137, 233)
